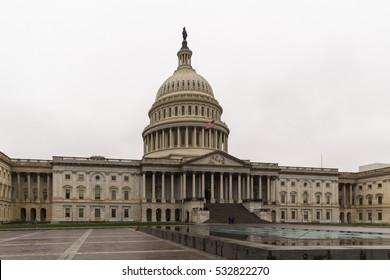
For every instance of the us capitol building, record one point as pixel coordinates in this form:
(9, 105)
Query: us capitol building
(185, 169)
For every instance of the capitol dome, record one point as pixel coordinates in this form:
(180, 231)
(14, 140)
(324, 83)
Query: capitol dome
(185, 119)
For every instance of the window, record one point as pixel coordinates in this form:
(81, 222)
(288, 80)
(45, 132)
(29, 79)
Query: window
(81, 177)
(283, 215)
(97, 192)
(126, 195)
(81, 212)
(67, 194)
(293, 198)
(293, 214)
(67, 176)
(360, 216)
(379, 185)
(380, 200)
(327, 199)
(318, 198)
(282, 183)
(67, 212)
(369, 200)
(305, 197)
(327, 185)
(113, 213)
(318, 185)
(369, 216)
(305, 184)
(113, 178)
(328, 215)
(283, 198)
(176, 111)
(126, 178)
(293, 184)
(97, 213)
(360, 200)
(305, 215)
(318, 215)
(182, 110)
(81, 193)
(113, 194)
(379, 216)
(126, 213)
(369, 187)
(97, 177)
(189, 110)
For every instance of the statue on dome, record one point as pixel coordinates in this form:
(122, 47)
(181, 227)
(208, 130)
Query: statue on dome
(184, 34)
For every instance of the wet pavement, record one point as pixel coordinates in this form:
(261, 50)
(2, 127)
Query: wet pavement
(92, 244)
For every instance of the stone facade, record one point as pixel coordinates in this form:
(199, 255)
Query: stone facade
(186, 164)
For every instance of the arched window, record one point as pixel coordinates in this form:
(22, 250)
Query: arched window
(305, 197)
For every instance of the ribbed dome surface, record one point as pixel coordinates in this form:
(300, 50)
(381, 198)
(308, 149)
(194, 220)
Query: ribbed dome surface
(184, 80)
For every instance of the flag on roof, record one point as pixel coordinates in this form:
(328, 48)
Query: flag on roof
(209, 125)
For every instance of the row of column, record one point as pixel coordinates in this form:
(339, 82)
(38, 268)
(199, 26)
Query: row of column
(347, 195)
(5, 192)
(246, 190)
(30, 191)
(193, 137)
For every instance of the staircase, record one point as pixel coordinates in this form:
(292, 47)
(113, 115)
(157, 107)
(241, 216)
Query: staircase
(220, 212)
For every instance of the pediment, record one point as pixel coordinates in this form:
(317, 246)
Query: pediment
(217, 159)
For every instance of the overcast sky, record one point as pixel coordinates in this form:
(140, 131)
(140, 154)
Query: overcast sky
(296, 79)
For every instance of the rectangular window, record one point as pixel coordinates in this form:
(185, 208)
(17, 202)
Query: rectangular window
(380, 200)
(113, 213)
(360, 201)
(282, 183)
(360, 188)
(379, 216)
(379, 185)
(113, 178)
(126, 213)
(81, 194)
(305, 215)
(328, 185)
(318, 199)
(81, 177)
(283, 198)
(369, 187)
(113, 194)
(328, 199)
(317, 185)
(126, 195)
(97, 193)
(293, 214)
(126, 178)
(369, 200)
(283, 215)
(67, 212)
(369, 216)
(67, 176)
(293, 198)
(328, 215)
(360, 216)
(67, 194)
(318, 215)
(81, 212)
(97, 213)
(293, 184)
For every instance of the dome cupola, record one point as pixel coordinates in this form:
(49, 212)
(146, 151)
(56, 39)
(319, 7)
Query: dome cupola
(185, 119)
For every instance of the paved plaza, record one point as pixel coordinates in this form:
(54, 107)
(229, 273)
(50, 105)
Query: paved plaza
(92, 244)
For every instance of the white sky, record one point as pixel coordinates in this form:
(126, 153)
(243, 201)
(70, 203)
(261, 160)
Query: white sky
(296, 79)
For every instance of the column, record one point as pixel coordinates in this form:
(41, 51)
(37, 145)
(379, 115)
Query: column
(350, 195)
(202, 142)
(163, 188)
(172, 188)
(248, 190)
(221, 198)
(344, 195)
(226, 144)
(184, 185)
(144, 187)
(178, 137)
(230, 188)
(268, 190)
(210, 143)
(154, 186)
(252, 195)
(170, 138)
(186, 136)
(19, 195)
(220, 140)
(48, 188)
(215, 138)
(28, 187)
(38, 187)
(193, 185)
(163, 138)
(194, 138)
(212, 199)
(239, 189)
(260, 187)
(203, 195)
